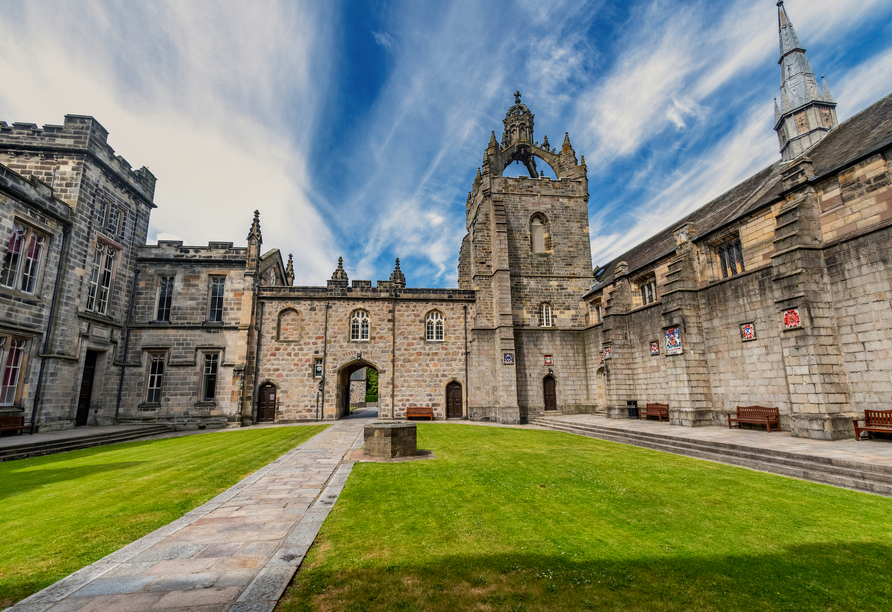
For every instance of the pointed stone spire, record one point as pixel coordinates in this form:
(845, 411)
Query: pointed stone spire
(777, 113)
(545, 144)
(397, 277)
(567, 144)
(289, 270)
(340, 274)
(582, 163)
(255, 228)
(805, 115)
(492, 140)
(828, 97)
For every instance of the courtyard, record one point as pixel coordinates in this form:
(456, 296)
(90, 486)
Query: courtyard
(503, 519)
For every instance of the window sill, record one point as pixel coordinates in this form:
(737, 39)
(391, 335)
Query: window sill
(99, 318)
(360, 341)
(205, 404)
(17, 294)
(160, 323)
(212, 324)
(148, 407)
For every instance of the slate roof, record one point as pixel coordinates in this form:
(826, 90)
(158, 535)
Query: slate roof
(865, 133)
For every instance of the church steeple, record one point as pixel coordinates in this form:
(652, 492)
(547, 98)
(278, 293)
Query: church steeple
(806, 113)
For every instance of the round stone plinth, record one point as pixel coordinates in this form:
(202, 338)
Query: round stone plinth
(391, 439)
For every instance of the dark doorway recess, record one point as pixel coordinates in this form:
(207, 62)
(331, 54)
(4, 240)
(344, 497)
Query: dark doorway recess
(345, 385)
(83, 398)
(266, 406)
(453, 401)
(550, 396)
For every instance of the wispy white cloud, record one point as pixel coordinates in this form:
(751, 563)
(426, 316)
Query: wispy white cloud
(180, 89)
(384, 39)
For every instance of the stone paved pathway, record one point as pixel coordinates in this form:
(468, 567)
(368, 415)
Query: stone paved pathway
(235, 553)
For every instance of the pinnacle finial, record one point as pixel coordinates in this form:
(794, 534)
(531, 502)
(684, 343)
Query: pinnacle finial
(254, 233)
(517, 97)
(340, 274)
(397, 277)
(492, 140)
(289, 269)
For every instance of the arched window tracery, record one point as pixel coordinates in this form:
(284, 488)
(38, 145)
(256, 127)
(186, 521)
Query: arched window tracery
(359, 326)
(435, 327)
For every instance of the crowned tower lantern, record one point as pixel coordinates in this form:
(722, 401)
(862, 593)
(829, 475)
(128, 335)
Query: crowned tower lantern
(804, 114)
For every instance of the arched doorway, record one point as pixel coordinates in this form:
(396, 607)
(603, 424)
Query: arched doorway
(266, 403)
(454, 401)
(345, 396)
(602, 389)
(548, 387)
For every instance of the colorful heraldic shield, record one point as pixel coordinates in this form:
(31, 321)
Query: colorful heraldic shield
(509, 358)
(791, 319)
(748, 332)
(607, 352)
(673, 341)
(655, 348)
(549, 360)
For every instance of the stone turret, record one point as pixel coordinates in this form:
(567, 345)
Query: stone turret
(255, 240)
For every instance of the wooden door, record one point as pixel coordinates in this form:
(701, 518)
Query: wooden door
(550, 395)
(602, 390)
(266, 408)
(83, 399)
(453, 401)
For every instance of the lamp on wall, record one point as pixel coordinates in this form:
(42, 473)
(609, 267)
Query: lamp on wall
(359, 355)
(550, 371)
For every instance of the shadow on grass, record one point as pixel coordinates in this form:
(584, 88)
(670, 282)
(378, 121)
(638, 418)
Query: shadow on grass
(833, 576)
(27, 478)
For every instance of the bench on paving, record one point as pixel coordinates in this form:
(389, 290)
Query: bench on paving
(756, 415)
(15, 423)
(878, 421)
(660, 411)
(419, 412)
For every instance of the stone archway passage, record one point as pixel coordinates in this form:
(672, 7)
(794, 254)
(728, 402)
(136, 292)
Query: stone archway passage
(454, 401)
(343, 394)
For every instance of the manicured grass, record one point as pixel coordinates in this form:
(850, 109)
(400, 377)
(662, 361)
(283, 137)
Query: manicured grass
(531, 520)
(63, 512)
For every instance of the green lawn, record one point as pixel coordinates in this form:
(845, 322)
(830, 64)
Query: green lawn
(63, 512)
(531, 520)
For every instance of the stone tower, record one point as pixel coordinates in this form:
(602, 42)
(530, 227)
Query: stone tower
(805, 114)
(527, 253)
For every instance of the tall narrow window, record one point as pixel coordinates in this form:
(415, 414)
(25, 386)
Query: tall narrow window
(731, 258)
(359, 326)
(32, 263)
(11, 371)
(103, 209)
(545, 317)
(218, 287)
(209, 377)
(435, 327)
(112, 220)
(649, 291)
(156, 374)
(13, 257)
(101, 279)
(537, 234)
(165, 299)
(122, 225)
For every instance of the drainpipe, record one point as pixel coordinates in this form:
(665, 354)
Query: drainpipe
(51, 321)
(467, 382)
(126, 341)
(254, 365)
(324, 362)
(392, 361)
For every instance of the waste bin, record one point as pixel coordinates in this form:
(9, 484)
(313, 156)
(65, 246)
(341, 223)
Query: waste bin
(633, 408)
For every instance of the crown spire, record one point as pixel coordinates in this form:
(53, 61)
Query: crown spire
(289, 269)
(397, 277)
(340, 274)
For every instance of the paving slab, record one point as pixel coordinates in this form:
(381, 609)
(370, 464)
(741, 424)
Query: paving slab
(236, 552)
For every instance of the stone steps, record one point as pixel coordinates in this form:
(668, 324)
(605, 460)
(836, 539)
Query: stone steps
(64, 445)
(848, 474)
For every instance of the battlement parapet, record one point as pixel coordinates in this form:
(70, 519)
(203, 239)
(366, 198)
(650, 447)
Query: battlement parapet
(35, 192)
(367, 292)
(80, 134)
(173, 250)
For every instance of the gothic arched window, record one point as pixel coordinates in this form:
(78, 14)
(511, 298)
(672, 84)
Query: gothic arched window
(435, 327)
(546, 319)
(359, 326)
(537, 235)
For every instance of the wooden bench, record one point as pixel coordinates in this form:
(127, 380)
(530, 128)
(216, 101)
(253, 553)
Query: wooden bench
(756, 415)
(660, 411)
(419, 412)
(15, 423)
(879, 421)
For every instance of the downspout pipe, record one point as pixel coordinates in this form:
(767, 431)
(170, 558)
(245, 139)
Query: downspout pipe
(256, 364)
(51, 321)
(467, 381)
(393, 360)
(324, 362)
(126, 341)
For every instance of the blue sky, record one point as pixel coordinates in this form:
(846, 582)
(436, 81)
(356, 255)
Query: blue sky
(356, 127)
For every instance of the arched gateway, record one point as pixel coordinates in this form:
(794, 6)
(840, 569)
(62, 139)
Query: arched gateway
(345, 373)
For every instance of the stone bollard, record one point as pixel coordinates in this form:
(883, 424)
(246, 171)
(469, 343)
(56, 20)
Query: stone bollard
(389, 440)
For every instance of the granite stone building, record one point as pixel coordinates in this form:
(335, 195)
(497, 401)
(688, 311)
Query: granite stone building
(777, 293)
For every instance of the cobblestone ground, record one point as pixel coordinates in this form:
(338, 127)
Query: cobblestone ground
(235, 553)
